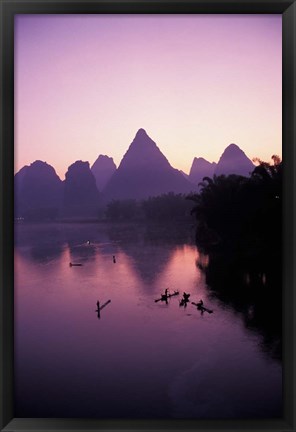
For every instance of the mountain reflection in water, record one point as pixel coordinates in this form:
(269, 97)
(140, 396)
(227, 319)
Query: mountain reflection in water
(141, 359)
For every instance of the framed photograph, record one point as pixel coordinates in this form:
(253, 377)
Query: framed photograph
(147, 215)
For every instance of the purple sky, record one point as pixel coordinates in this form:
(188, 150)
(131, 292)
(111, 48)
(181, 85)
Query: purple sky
(84, 85)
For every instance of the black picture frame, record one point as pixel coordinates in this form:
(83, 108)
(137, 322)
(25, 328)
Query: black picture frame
(8, 8)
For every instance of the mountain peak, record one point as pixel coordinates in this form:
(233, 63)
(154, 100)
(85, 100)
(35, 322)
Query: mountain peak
(143, 151)
(141, 133)
(144, 171)
(104, 157)
(81, 196)
(78, 167)
(233, 148)
(234, 161)
(38, 191)
(103, 169)
(102, 162)
(142, 140)
(201, 168)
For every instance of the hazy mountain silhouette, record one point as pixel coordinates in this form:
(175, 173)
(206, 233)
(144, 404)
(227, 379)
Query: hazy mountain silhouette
(38, 192)
(234, 161)
(81, 196)
(18, 184)
(184, 174)
(144, 171)
(201, 168)
(102, 169)
(20, 175)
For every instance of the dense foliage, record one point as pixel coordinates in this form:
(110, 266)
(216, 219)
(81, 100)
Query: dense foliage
(164, 208)
(234, 211)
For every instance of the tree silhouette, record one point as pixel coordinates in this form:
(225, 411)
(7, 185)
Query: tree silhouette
(241, 218)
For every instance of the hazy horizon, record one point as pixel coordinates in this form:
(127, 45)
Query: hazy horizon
(85, 84)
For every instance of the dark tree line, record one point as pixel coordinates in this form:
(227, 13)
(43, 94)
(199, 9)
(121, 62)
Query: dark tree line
(241, 213)
(165, 208)
(239, 228)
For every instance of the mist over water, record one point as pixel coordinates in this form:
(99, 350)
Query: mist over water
(140, 359)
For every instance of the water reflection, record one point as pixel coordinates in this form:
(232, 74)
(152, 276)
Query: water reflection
(251, 291)
(41, 244)
(148, 262)
(82, 252)
(142, 358)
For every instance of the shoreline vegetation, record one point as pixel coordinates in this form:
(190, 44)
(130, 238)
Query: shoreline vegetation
(239, 229)
(170, 207)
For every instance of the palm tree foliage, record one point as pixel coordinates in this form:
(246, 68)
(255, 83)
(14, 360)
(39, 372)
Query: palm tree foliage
(218, 206)
(235, 210)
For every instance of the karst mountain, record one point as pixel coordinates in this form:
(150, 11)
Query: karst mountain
(144, 171)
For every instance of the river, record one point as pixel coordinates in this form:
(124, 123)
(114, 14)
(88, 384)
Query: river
(140, 358)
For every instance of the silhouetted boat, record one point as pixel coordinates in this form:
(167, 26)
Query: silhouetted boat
(202, 308)
(164, 297)
(75, 265)
(101, 307)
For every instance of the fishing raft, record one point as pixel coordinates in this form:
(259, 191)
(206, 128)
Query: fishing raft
(164, 297)
(202, 308)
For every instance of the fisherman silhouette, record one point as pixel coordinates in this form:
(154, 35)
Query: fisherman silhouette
(98, 309)
(201, 307)
(164, 297)
(114, 259)
(185, 299)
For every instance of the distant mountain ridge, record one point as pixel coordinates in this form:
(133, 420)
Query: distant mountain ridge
(232, 161)
(143, 172)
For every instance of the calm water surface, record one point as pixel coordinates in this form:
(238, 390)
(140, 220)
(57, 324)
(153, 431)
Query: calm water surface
(141, 359)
